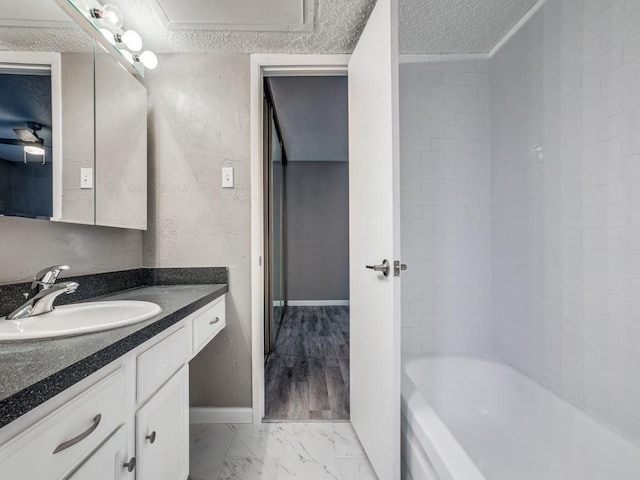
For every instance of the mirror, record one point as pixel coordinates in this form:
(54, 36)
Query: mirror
(72, 123)
(121, 120)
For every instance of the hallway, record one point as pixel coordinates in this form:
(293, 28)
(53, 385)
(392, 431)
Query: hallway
(307, 376)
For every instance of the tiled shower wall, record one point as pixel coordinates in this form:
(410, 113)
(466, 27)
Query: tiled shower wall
(565, 102)
(445, 194)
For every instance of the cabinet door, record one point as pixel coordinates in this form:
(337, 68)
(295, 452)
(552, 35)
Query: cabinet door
(121, 146)
(162, 432)
(108, 462)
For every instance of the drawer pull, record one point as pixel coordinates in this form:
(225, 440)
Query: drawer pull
(82, 436)
(213, 322)
(130, 465)
(152, 437)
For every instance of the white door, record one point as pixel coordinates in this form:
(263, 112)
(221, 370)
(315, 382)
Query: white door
(374, 229)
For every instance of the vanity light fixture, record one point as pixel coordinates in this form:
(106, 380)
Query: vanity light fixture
(108, 15)
(130, 39)
(34, 150)
(147, 58)
(108, 20)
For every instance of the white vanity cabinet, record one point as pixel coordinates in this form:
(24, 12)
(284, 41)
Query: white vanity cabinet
(128, 421)
(108, 462)
(162, 431)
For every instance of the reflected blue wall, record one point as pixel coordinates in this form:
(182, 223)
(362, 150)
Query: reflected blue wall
(25, 189)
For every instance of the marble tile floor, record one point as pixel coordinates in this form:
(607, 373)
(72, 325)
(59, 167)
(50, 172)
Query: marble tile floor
(278, 451)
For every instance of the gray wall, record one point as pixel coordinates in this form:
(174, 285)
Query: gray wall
(27, 245)
(313, 113)
(318, 230)
(199, 122)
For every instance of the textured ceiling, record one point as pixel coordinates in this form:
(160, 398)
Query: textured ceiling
(337, 27)
(457, 26)
(40, 26)
(426, 27)
(313, 117)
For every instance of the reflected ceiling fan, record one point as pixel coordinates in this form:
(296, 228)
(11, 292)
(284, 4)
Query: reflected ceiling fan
(28, 139)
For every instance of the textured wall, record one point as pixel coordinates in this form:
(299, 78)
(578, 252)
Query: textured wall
(199, 121)
(28, 245)
(566, 223)
(317, 196)
(445, 224)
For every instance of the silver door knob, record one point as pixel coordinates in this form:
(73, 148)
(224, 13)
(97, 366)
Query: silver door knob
(384, 267)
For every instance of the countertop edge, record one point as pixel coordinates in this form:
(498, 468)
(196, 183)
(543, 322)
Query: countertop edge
(27, 399)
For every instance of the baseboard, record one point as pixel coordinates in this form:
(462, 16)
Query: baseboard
(317, 303)
(220, 415)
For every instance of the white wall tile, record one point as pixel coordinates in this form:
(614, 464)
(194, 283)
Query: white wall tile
(565, 261)
(446, 241)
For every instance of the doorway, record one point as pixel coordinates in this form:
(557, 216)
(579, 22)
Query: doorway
(374, 294)
(306, 186)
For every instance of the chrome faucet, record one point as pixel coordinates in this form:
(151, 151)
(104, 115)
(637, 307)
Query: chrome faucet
(45, 279)
(43, 301)
(43, 293)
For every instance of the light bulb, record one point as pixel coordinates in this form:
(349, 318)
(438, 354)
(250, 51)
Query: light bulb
(108, 34)
(32, 150)
(109, 15)
(148, 59)
(131, 40)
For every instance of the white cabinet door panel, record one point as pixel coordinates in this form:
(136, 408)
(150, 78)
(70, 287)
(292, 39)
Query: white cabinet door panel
(162, 432)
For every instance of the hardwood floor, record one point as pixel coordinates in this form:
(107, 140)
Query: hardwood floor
(307, 375)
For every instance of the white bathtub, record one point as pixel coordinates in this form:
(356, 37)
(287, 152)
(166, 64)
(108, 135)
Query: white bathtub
(476, 418)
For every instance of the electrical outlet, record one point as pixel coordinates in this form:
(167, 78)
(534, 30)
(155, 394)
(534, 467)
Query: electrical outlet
(86, 178)
(227, 177)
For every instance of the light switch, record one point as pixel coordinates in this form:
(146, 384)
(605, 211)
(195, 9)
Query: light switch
(227, 177)
(86, 178)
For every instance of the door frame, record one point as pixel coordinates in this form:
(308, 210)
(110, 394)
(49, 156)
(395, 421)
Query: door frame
(270, 65)
(53, 60)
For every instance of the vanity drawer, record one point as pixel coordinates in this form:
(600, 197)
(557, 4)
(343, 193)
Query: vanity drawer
(156, 365)
(207, 324)
(58, 443)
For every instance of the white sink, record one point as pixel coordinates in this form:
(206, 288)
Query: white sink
(69, 320)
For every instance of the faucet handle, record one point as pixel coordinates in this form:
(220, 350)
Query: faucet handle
(48, 276)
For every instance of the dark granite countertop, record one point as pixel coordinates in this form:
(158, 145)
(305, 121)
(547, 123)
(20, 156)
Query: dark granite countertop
(35, 371)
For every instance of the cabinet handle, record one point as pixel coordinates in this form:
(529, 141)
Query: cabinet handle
(130, 465)
(152, 437)
(213, 322)
(82, 436)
